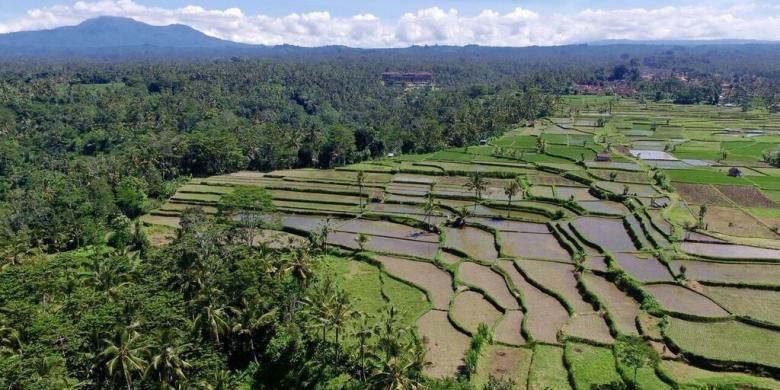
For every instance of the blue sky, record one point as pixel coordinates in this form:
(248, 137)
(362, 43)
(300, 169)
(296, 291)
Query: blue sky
(404, 22)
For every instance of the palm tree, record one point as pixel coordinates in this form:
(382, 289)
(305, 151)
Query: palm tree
(10, 341)
(361, 240)
(123, 357)
(340, 313)
(301, 266)
(478, 184)
(166, 364)
(430, 207)
(364, 330)
(251, 318)
(213, 321)
(361, 180)
(511, 190)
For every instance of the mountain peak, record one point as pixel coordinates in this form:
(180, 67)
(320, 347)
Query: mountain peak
(114, 31)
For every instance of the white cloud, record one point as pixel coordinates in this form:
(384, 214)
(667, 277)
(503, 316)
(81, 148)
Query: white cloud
(435, 25)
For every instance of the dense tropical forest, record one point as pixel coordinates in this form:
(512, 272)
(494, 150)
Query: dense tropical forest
(87, 147)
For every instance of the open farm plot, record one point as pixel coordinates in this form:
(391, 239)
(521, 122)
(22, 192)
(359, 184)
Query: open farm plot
(449, 258)
(509, 329)
(690, 377)
(643, 269)
(330, 175)
(510, 225)
(161, 220)
(308, 223)
(542, 191)
(552, 180)
(362, 281)
(311, 206)
(205, 189)
(735, 222)
(470, 308)
(196, 197)
(763, 305)
(315, 197)
(547, 369)
(545, 315)
(634, 225)
(579, 194)
(388, 208)
(490, 282)
(682, 300)
(410, 301)
(747, 196)
(389, 229)
(588, 326)
(179, 207)
(437, 283)
(596, 263)
(634, 189)
(620, 176)
(476, 243)
(604, 207)
(503, 362)
(729, 251)
(621, 307)
(700, 194)
(445, 345)
(386, 245)
(758, 274)
(533, 245)
(626, 166)
(608, 233)
(703, 176)
(558, 278)
(591, 366)
(729, 341)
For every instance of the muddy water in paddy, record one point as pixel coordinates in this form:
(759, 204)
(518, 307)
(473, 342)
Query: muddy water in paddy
(476, 243)
(545, 314)
(729, 273)
(488, 280)
(608, 233)
(559, 278)
(622, 308)
(682, 300)
(589, 326)
(509, 330)
(511, 226)
(730, 251)
(533, 245)
(647, 269)
(436, 282)
(445, 345)
(389, 229)
(470, 309)
(387, 245)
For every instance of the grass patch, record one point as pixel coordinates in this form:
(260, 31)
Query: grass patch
(547, 369)
(689, 377)
(590, 365)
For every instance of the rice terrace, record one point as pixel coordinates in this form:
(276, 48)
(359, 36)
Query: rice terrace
(613, 219)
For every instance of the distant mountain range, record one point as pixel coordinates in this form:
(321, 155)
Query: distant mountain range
(118, 38)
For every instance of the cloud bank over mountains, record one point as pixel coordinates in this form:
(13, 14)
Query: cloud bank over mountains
(430, 26)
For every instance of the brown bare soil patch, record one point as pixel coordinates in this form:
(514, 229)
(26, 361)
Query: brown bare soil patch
(427, 276)
(735, 222)
(509, 330)
(747, 196)
(445, 345)
(558, 278)
(681, 300)
(590, 326)
(699, 194)
(509, 363)
(488, 280)
(546, 316)
(470, 309)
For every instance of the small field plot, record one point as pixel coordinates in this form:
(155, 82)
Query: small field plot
(690, 377)
(476, 243)
(591, 366)
(547, 369)
(410, 301)
(489, 281)
(533, 246)
(682, 300)
(608, 233)
(699, 194)
(552, 180)
(747, 196)
(389, 229)
(381, 244)
(735, 222)
(578, 194)
(470, 308)
(437, 283)
(729, 251)
(726, 341)
(604, 207)
(445, 345)
(509, 329)
(318, 197)
(634, 189)
(621, 307)
(161, 220)
(589, 326)
(704, 176)
(558, 278)
(361, 281)
(503, 362)
(760, 274)
(511, 226)
(308, 223)
(643, 269)
(763, 305)
(545, 315)
(620, 176)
